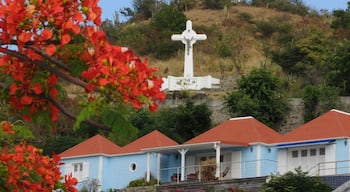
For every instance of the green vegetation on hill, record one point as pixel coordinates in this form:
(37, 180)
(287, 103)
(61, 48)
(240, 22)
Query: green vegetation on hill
(296, 42)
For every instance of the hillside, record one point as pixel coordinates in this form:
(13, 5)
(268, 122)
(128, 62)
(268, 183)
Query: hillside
(241, 28)
(239, 25)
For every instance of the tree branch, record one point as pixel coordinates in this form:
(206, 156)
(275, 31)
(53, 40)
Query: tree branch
(49, 68)
(67, 113)
(62, 75)
(73, 117)
(51, 59)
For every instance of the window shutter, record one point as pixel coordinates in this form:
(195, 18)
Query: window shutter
(85, 174)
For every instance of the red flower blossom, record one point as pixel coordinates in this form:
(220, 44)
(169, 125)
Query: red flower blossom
(7, 127)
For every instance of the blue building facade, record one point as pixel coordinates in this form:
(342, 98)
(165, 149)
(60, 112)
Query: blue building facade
(237, 148)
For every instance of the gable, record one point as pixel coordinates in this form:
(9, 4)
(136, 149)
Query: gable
(151, 140)
(95, 145)
(333, 124)
(238, 131)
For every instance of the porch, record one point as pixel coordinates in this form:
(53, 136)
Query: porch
(207, 172)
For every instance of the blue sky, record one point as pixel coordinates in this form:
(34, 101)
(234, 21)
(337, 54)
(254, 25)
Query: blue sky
(110, 6)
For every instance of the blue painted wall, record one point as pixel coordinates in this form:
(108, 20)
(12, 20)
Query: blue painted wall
(117, 172)
(249, 165)
(93, 167)
(268, 160)
(123, 171)
(169, 165)
(342, 154)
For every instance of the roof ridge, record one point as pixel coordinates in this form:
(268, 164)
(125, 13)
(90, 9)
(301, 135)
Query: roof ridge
(240, 118)
(339, 111)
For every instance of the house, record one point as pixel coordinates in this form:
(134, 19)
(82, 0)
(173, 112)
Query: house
(320, 146)
(87, 160)
(100, 162)
(240, 147)
(134, 163)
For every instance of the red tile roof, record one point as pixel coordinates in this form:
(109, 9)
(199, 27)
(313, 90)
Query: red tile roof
(333, 124)
(94, 145)
(151, 140)
(238, 131)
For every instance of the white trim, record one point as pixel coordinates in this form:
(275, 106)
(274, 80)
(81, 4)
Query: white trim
(258, 162)
(158, 167)
(148, 168)
(217, 159)
(240, 118)
(131, 167)
(178, 147)
(100, 171)
(338, 111)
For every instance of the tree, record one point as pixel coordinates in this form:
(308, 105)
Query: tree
(45, 35)
(169, 19)
(24, 168)
(307, 56)
(216, 4)
(340, 68)
(260, 95)
(183, 5)
(295, 182)
(164, 23)
(48, 44)
(192, 120)
(319, 99)
(341, 18)
(141, 9)
(181, 123)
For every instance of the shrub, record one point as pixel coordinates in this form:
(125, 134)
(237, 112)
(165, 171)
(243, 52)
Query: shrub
(142, 182)
(169, 19)
(294, 182)
(216, 4)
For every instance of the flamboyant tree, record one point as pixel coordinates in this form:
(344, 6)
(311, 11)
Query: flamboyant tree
(35, 37)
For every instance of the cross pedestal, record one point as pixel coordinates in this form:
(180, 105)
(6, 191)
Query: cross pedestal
(188, 81)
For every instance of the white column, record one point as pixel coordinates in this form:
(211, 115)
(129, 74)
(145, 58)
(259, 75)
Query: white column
(258, 160)
(158, 167)
(217, 149)
(100, 172)
(148, 169)
(183, 160)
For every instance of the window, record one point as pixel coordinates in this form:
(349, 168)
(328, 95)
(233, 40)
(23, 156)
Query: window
(322, 151)
(295, 154)
(313, 152)
(79, 170)
(304, 153)
(132, 167)
(78, 167)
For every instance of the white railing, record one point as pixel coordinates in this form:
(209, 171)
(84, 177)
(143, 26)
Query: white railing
(227, 170)
(330, 168)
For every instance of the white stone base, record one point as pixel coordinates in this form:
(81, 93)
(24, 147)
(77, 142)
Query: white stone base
(172, 83)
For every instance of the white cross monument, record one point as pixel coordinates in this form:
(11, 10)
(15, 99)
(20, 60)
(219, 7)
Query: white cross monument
(188, 37)
(188, 81)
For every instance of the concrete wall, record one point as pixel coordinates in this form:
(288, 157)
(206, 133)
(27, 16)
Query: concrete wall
(295, 116)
